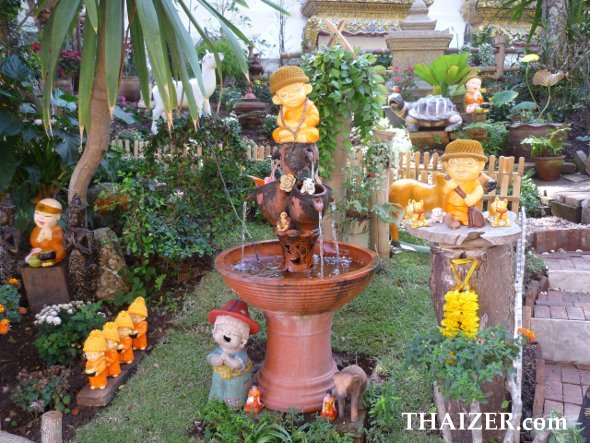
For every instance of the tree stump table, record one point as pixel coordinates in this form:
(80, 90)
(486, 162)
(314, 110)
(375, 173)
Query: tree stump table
(493, 281)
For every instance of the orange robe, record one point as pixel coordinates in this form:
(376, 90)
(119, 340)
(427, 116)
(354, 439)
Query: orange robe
(99, 368)
(329, 410)
(55, 244)
(113, 362)
(140, 342)
(126, 355)
(253, 403)
(472, 102)
(292, 118)
(456, 205)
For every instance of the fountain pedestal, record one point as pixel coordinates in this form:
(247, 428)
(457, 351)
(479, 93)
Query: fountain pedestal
(298, 367)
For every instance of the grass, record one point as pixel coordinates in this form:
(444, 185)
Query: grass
(160, 402)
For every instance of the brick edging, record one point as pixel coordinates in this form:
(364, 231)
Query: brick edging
(567, 239)
(539, 399)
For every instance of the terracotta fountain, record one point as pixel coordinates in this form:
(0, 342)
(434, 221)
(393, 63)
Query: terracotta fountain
(297, 285)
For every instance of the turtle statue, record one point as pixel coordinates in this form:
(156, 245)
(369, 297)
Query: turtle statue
(432, 111)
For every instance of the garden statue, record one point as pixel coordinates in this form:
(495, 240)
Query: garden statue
(80, 245)
(138, 312)
(308, 186)
(415, 214)
(473, 97)
(113, 342)
(284, 222)
(463, 162)
(96, 361)
(350, 383)
(437, 215)
(125, 328)
(499, 213)
(10, 239)
(431, 112)
(329, 411)
(231, 366)
(298, 116)
(47, 236)
(208, 67)
(253, 403)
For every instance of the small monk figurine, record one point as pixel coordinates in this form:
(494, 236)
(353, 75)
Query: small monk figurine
(113, 342)
(231, 365)
(473, 97)
(47, 238)
(80, 245)
(253, 403)
(10, 240)
(96, 362)
(298, 116)
(284, 223)
(138, 312)
(329, 411)
(463, 161)
(125, 328)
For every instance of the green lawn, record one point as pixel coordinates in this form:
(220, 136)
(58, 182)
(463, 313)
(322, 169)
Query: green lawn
(161, 400)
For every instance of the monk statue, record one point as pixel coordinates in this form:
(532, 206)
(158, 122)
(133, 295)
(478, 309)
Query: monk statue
(47, 236)
(463, 161)
(10, 240)
(298, 116)
(80, 245)
(473, 97)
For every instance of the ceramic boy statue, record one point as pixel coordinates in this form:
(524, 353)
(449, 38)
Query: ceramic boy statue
(125, 328)
(463, 161)
(298, 116)
(96, 361)
(473, 97)
(231, 366)
(47, 238)
(138, 312)
(113, 342)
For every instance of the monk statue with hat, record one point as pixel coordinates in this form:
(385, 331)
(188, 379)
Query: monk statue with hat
(298, 116)
(125, 328)
(47, 238)
(232, 326)
(138, 312)
(96, 362)
(113, 342)
(463, 161)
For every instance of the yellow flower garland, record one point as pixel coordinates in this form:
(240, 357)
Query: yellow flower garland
(460, 309)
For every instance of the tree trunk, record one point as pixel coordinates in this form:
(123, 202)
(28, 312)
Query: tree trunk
(555, 14)
(51, 427)
(97, 141)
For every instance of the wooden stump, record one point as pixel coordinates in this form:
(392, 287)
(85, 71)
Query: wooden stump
(51, 427)
(46, 286)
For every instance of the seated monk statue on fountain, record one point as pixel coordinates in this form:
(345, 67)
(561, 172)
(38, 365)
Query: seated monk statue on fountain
(298, 116)
(47, 238)
(463, 161)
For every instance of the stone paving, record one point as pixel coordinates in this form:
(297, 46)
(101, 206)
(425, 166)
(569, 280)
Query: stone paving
(565, 385)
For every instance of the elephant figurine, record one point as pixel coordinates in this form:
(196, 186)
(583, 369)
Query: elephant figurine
(350, 383)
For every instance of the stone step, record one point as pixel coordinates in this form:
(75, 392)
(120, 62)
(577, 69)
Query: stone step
(568, 271)
(564, 388)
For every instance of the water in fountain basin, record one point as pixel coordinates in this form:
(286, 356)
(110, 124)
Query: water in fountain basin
(321, 239)
(270, 267)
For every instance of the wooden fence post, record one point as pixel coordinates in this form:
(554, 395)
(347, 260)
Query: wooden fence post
(500, 45)
(51, 427)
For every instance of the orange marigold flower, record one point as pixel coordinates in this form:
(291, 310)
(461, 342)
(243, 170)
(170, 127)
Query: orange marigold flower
(4, 326)
(22, 311)
(1, 308)
(527, 333)
(14, 282)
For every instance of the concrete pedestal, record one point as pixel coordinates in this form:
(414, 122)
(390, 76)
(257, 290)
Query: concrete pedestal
(46, 286)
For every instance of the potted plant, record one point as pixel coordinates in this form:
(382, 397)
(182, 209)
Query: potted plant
(129, 85)
(447, 75)
(529, 118)
(547, 152)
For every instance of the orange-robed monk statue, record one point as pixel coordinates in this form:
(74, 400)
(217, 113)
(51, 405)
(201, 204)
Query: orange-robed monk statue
(47, 238)
(459, 189)
(298, 116)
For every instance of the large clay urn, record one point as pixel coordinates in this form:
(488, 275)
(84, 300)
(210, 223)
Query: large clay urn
(298, 368)
(250, 111)
(304, 209)
(517, 132)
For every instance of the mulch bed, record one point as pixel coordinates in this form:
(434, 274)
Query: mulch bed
(17, 352)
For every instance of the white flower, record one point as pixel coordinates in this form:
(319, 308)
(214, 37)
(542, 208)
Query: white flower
(70, 311)
(57, 321)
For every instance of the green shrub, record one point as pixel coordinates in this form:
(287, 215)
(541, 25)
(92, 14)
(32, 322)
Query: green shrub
(130, 134)
(38, 391)
(63, 328)
(230, 96)
(534, 268)
(496, 142)
(230, 66)
(529, 195)
(9, 304)
(269, 125)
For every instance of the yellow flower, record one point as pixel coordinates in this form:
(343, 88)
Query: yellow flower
(530, 58)
(2, 308)
(460, 314)
(4, 326)
(14, 282)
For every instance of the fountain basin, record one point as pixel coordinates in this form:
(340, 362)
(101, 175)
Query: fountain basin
(298, 368)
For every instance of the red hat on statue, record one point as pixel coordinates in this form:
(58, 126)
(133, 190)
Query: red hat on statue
(237, 309)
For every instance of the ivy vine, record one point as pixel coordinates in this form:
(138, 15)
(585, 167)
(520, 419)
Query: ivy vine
(346, 86)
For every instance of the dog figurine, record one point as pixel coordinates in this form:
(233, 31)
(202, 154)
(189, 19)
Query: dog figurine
(499, 213)
(437, 215)
(350, 383)
(308, 186)
(415, 214)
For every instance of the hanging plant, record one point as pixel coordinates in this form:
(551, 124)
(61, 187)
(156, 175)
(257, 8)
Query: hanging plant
(345, 86)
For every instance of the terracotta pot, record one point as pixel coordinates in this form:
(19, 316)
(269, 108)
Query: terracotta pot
(548, 168)
(298, 368)
(297, 157)
(271, 200)
(250, 111)
(304, 209)
(129, 88)
(517, 132)
(357, 233)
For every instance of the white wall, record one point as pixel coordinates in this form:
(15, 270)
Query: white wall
(448, 16)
